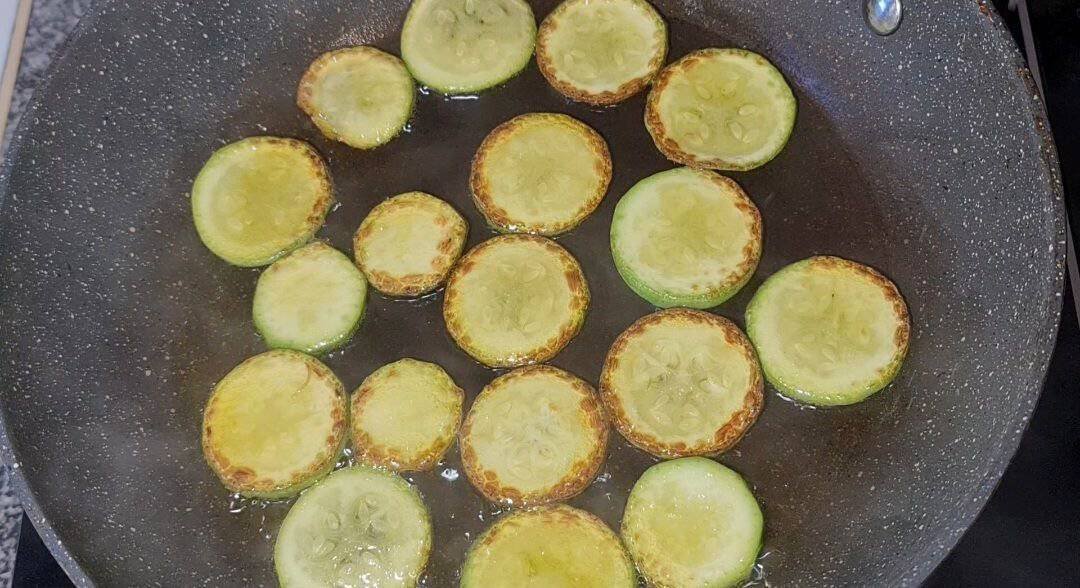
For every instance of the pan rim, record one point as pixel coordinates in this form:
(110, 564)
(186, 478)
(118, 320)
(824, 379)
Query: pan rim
(934, 551)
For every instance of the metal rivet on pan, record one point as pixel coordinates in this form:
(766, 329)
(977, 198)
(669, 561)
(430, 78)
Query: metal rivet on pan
(883, 16)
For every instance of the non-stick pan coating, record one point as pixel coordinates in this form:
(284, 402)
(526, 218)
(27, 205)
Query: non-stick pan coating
(922, 154)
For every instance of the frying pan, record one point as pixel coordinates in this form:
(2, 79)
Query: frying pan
(923, 154)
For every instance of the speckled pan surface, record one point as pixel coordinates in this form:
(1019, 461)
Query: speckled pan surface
(921, 154)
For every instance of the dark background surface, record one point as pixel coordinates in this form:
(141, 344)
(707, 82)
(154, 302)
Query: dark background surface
(1029, 533)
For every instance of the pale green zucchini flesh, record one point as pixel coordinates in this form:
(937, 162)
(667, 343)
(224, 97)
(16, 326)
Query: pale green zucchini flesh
(465, 46)
(686, 237)
(540, 173)
(829, 331)
(405, 416)
(682, 382)
(259, 198)
(360, 96)
(275, 424)
(311, 301)
(727, 109)
(533, 436)
(515, 300)
(601, 51)
(692, 522)
(551, 547)
(358, 527)
(407, 244)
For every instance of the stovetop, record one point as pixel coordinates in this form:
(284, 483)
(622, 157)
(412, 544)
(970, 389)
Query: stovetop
(1029, 532)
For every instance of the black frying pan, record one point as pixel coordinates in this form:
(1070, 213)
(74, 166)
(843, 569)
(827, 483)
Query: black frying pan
(922, 154)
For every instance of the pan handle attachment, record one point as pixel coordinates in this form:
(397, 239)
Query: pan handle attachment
(883, 16)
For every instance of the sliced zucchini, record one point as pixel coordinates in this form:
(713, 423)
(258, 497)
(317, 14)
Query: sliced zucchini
(465, 46)
(311, 301)
(358, 527)
(275, 424)
(515, 300)
(407, 244)
(682, 382)
(686, 237)
(601, 51)
(259, 198)
(360, 96)
(829, 331)
(405, 416)
(692, 522)
(532, 436)
(551, 547)
(540, 173)
(721, 109)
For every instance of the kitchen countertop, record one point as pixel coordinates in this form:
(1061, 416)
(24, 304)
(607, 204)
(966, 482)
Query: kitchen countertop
(50, 23)
(1029, 533)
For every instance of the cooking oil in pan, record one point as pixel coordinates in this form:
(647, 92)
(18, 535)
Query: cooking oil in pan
(434, 155)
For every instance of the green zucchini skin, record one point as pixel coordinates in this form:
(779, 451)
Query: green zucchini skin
(661, 299)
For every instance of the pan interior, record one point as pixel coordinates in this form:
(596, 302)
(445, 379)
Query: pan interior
(911, 153)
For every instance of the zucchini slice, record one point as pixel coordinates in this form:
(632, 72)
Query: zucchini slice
(407, 244)
(465, 46)
(311, 301)
(358, 527)
(682, 382)
(721, 109)
(601, 52)
(540, 173)
(405, 415)
(360, 96)
(259, 198)
(556, 546)
(275, 424)
(829, 331)
(686, 237)
(692, 522)
(532, 436)
(515, 300)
